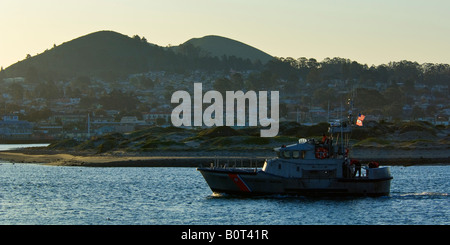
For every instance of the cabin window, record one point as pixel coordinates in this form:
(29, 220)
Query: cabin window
(295, 154)
(279, 166)
(287, 154)
(303, 154)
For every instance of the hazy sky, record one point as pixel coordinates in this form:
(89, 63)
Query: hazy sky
(370, 32)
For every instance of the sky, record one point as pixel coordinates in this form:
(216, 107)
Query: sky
(370, 32)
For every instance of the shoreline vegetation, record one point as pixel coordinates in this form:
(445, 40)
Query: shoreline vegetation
(401, 143)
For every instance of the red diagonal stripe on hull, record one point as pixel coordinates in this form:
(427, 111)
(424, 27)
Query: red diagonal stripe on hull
(239, 182)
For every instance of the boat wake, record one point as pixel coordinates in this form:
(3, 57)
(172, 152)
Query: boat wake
(425, 194)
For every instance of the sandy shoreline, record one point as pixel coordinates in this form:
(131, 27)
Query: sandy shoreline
(166, 160)
(205, 158)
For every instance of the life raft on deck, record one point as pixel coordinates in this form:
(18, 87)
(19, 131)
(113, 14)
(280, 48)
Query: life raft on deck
(321, 153)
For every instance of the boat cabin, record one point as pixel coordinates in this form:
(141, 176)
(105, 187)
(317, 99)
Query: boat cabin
(310, 158)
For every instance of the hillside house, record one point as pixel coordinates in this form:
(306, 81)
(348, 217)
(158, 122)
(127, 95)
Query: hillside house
(151, 117)
(13, 128)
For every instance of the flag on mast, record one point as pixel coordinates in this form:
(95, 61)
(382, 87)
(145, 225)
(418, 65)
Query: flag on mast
(360, 120)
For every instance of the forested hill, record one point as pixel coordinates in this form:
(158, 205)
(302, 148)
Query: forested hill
(109, 55)
(221, 46)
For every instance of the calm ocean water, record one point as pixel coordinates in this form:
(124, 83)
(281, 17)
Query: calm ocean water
(39, 194)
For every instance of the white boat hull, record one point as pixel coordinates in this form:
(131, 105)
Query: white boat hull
(251, 182)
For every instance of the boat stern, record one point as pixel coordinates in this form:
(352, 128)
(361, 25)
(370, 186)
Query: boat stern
(379, 173)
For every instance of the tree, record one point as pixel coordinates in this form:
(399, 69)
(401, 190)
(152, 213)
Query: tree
(312, 63)
(283, 67)
(189, 50)
(222, 85)
(369, 99)
(417, 112)
(323, 96)
(116, 100)
(393, 94)
(35, 116)
(408, 86)
(283, 110)
(237, 81)
(405, 70)
(81, 82)
(2, 74)
(160, 121)
(32, 75)
(48, 90)
(137, 37)
(394, 110)
(313, 76)
(431, 110)
(16, 90)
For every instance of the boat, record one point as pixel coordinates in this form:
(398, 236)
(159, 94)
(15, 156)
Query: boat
(309, 167)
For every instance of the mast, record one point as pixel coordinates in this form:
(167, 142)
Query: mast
(89, 126)
(342, 128)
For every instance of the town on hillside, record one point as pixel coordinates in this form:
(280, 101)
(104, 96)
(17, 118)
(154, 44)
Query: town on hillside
(310, 92)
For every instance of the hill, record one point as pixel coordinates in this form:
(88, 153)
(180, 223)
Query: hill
(109, 55)
(221, 46)
(95, 54)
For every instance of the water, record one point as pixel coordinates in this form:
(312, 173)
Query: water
(40, 194)
(4, 147)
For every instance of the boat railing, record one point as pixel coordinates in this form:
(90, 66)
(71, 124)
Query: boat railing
(237, 163)
(352, 171)
(365, 170)
(363, 173)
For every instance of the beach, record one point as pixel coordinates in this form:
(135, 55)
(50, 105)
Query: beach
(149, 159)
(206, 158)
